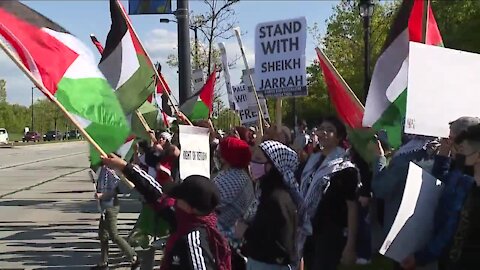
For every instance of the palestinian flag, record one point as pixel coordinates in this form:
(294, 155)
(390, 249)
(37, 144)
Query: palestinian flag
(138, 131)
(349, 109)
(200, 105)
(387, 96)
(67, 69)
(125, 63)
(97, 43)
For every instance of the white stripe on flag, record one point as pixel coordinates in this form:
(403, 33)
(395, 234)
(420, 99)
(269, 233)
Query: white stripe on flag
(84, 66)
(129, 60)
(387, 68)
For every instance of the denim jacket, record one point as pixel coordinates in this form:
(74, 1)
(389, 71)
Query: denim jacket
(447, 215)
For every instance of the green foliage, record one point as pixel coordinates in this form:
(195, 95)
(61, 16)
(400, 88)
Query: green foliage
(226, 120)
(3, 91)
(16, 117)
(458, 22)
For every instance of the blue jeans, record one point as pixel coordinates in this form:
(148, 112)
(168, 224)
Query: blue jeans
(256, 265)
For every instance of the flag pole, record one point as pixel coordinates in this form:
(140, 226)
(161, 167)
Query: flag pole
(127, 19)
(261, 118)
(147, 128)
(45, 91)
(322, 55)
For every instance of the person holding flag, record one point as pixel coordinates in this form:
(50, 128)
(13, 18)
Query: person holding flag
(106, 194)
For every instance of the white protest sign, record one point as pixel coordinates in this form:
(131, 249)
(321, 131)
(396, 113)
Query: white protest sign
(248, 114)
(413, 225)
(197, 77)
(251, 100)
(443, 85)
(195, 151)
(280, 58)
(226, 74)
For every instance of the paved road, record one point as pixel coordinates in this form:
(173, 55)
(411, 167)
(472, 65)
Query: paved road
(48, 217)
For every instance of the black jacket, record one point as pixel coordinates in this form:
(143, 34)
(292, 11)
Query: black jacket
(271, 236)
(191, 251)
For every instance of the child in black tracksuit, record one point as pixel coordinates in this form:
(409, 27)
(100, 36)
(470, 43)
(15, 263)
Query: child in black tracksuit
(196, 242)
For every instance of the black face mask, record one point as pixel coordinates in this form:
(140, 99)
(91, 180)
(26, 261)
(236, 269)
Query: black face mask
(460, 165)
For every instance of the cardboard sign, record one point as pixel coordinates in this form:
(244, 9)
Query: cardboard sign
(197, 77)
(280, 58)
(413, 225)
(226, 74)
(443, 85)
(195, 151)
(252, 102)
(248, 114)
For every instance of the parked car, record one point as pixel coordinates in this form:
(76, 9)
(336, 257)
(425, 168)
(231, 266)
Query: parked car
(53, 135)
(73, 135)
(32, 136)
(3, 136)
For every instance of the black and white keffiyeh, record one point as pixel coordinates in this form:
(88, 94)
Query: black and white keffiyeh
(286, 161)
(236, 195)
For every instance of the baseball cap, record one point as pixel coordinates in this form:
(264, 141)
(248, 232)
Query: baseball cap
(198, 191)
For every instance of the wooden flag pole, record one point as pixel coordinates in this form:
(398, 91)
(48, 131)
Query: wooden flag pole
(340, 79)
(278, 114)
(261, 118)
(45, 91)
(157, 76)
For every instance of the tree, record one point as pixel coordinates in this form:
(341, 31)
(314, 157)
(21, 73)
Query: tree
(458, 22)
(217, 22)
(3, 91)
(343, 44)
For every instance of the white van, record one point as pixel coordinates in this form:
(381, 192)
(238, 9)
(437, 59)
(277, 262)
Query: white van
(3, 136)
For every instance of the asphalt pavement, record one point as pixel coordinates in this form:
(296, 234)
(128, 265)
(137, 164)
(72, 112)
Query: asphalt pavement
(49, 218)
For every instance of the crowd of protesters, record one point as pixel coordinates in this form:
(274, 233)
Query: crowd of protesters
(302, 201)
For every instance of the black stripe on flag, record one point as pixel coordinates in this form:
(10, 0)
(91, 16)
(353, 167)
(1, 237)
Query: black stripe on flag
(117, 31)
(29, 15)
(400, 23)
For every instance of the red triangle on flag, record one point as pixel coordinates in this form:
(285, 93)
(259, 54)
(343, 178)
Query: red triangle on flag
(206, 93)
(348, 107)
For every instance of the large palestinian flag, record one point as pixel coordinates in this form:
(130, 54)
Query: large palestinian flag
(67, 69)
(200, 105)
(125, 63)
(386, 102)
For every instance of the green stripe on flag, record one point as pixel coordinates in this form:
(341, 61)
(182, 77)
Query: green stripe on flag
(133, 93)
(200, 111)
(94, 100)
(392, 120)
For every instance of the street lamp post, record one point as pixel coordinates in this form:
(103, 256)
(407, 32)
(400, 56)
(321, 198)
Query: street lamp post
(184, 65)
(194, 28)
(366, 8)
(31, 124)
